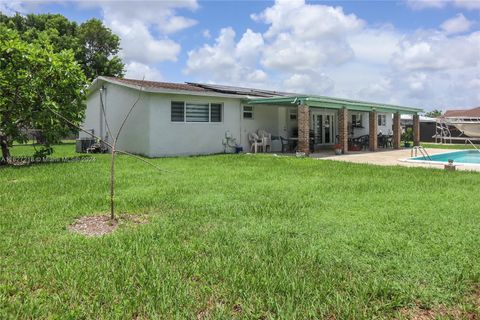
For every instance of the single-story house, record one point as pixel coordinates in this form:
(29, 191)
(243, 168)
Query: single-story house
(172, 119)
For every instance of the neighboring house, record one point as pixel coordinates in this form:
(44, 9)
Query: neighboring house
(172, 119)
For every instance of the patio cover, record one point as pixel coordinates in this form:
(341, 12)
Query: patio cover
(332, 103)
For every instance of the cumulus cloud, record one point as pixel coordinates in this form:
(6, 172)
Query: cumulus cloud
(145, 31)
(429, 50)
(136, 70)
(457, 24)
(228, 61)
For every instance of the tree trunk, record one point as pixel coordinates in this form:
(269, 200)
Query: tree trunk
(112, 184)
(5, 149)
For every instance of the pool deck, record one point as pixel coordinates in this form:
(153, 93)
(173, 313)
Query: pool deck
(389, 158)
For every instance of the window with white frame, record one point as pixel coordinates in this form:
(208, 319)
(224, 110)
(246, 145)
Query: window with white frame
(182, 111)
(247, 112)
(382, 120)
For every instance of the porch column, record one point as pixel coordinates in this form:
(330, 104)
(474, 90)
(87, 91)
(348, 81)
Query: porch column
(343, 129)
(416, 130)
(303, 128)
(372, 130)
(397, 131)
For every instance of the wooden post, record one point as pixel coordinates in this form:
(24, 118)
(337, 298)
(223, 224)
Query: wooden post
(304, 128)
(397, 131)
(343, 129)
(372, 131)
(416, 130)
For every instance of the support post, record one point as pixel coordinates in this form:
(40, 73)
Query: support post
(343, 129)
(397, 131)
(304, 128)
(372, 131)
(416, 130)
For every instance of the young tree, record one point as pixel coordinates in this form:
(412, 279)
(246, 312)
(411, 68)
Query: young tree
(34, 80)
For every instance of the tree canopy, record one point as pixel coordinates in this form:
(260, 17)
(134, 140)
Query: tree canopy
(95, 46)
(34, 80)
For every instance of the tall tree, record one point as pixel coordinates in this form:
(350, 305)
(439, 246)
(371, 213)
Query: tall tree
(98, 49)
(95, 46)
(33, 81)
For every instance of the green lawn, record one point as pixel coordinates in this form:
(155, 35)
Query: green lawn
(239, 236)
(448, 146)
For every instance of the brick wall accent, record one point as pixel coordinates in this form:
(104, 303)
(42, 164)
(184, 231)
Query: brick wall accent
(397, 131)
(416, 130)
(372, 130)
(343, 129)
(303, 128)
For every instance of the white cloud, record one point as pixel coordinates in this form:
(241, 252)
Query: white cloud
(145, 31)
(426, 4)
(227, 61)
(440, 4)
(467, 4)
(457, 24)
(136, 70)
(206, 34)
(138, 43)
(435, 51)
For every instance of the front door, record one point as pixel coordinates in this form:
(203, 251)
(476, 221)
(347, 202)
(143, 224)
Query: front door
(324, 127)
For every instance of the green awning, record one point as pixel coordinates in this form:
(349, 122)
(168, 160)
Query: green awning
(332, 103)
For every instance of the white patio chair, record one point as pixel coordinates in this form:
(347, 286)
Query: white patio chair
(266, 139)
(255, 142)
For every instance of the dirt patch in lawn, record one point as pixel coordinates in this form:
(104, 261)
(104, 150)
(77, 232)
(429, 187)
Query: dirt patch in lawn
(471, 311)
(96, 226)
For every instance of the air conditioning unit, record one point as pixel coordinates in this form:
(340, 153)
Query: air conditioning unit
(82, 144)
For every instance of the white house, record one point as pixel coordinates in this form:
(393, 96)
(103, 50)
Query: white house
(173, 119)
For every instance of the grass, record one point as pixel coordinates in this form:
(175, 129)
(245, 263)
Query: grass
(238, 236)
(448, 146)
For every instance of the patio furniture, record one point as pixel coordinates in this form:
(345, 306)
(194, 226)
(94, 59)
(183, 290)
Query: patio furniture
(255, 142)
(266, 139)
(285, 144)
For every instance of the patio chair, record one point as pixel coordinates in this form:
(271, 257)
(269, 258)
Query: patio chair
(255, 142)
(364, 142)
(266, 139)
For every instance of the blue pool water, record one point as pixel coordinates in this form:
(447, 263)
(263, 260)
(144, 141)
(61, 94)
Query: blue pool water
(466, 156)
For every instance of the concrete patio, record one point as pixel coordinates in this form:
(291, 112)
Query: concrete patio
(389, 158)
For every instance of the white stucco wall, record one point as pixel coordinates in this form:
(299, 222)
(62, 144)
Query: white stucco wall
(169, 138)
(117, 101)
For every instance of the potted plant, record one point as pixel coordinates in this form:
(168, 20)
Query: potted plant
(338, 148)
(407, 136)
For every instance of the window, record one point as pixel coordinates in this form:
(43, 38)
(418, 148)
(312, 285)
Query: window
(357, 120)
(196, 112)
(247, 112)
(292, 114)
(215, 112)
(382, 120)
(178, 111)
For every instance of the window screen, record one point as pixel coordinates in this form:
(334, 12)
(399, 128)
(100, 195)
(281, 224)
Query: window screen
(196, 112)
(247, 112)
(215, 112)
(178, 111)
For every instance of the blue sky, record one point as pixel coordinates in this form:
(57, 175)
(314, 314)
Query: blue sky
(419, 53)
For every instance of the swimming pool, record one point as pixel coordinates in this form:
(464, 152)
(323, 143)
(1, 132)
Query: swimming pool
(463, 157)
